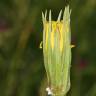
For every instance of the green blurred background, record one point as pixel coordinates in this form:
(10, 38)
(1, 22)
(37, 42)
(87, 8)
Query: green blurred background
(22, 70)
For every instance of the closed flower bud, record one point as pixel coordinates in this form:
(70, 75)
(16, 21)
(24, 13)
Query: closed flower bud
(57, 51)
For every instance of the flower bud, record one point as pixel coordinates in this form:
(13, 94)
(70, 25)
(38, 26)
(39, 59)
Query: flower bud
(57, 51)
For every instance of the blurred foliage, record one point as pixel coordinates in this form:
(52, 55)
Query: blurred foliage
(21, 60)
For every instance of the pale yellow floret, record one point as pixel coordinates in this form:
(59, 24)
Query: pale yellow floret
(60, 27)
(56, 27)
(52, 34)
